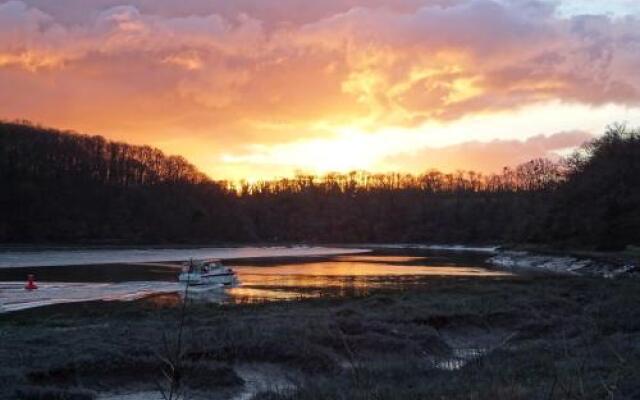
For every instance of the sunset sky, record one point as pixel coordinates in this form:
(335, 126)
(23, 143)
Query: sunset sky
(261, 88)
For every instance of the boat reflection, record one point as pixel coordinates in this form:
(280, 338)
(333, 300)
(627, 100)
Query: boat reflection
(257, 295)
(233, 295)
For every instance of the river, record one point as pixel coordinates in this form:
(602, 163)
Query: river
(264, 274)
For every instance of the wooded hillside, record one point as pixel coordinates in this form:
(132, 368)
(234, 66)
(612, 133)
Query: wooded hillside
(61, 187)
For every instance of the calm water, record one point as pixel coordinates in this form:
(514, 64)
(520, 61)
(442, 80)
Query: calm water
(17, 257)
(264, 279)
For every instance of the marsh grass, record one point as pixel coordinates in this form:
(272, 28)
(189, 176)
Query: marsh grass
(568, 338)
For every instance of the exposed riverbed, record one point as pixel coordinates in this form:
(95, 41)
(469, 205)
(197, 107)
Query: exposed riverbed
(260, 279)
(391, 324)
(571, 265)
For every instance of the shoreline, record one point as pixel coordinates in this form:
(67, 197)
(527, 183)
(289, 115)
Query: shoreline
(71, 257)
(567, 263)
(510, 257)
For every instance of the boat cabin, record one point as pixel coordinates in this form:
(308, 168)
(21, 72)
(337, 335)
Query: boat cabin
(202, 266)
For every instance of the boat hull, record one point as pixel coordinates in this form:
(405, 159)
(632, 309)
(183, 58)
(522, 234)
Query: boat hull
(207, 279)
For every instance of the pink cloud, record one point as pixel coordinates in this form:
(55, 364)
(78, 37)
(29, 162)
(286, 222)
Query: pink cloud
(232, 72)
(406, 61)
(489, 156)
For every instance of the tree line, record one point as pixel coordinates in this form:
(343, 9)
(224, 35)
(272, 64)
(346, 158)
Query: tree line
(63, 187)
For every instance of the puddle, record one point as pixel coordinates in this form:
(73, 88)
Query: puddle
(258, 377)
(468, 345)
(151, 395)
(264, 377)
(459, 359)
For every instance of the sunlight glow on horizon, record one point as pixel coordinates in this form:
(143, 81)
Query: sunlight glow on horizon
(350, 148)
(261, 89)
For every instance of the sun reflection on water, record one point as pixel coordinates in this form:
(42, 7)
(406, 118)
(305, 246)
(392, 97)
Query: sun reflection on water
(340, 276)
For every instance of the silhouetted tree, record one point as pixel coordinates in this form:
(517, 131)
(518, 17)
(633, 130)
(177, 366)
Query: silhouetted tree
(65, 187)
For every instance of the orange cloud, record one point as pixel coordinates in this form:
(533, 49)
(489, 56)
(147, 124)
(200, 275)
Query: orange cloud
(215, 76)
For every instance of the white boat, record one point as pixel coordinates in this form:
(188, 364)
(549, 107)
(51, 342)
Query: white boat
(207, 272)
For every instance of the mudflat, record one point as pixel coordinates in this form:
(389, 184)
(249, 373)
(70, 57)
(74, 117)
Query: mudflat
(503, 337)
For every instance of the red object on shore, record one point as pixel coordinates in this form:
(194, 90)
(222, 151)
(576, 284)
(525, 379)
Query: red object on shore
(31, 282)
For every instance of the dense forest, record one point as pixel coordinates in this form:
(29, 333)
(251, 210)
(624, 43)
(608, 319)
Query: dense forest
(63, 187)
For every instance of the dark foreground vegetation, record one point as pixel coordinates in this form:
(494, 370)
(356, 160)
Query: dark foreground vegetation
(544, 337)
(60, 187)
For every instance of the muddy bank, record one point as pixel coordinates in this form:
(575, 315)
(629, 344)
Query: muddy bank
(435, 247)
(570, 265)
